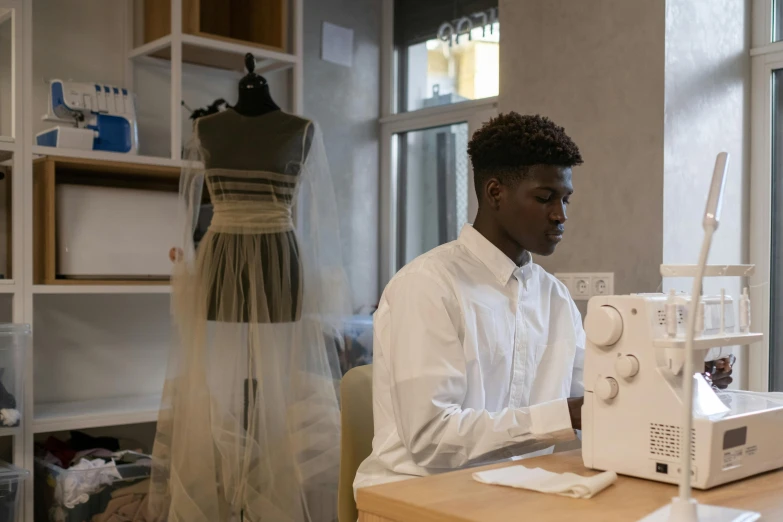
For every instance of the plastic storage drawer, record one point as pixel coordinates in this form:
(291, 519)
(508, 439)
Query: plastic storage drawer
(12, 482)
(14, 342)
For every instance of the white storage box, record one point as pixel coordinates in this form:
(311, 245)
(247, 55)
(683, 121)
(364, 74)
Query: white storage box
(115, 233)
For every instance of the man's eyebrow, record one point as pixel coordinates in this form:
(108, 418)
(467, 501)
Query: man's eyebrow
(568, 190)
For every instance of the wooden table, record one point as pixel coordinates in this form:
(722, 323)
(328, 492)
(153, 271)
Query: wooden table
(457, 497)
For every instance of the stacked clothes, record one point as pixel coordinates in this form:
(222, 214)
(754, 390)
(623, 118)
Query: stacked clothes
(128, 504)
(89, 479)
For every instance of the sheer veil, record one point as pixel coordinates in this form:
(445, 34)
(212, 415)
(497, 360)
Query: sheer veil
(249, 420)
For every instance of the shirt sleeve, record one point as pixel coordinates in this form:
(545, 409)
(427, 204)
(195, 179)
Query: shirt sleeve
(577, 376)
(429, 383)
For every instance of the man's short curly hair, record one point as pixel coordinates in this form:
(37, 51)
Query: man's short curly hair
(507, 145)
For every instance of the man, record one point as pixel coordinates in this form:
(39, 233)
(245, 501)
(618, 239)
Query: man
(478, 351)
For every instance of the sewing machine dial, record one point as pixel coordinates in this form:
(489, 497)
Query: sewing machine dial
(607, 388)
(626, 366)
(604, 327)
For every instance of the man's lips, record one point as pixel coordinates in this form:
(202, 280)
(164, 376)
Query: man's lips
(555, 236)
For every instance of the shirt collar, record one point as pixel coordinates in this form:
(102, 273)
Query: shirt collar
(496, 261)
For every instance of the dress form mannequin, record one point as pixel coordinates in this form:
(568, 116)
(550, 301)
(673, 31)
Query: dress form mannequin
(249, 421)
(256, 135)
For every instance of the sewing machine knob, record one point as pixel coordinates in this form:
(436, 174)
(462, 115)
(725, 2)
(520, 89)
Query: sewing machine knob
(626, 366)
(604, 326)
(607, 388)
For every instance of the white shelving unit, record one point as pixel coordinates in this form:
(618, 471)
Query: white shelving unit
(19, 151)
(38, 150)
(95, 413)
(99, 289)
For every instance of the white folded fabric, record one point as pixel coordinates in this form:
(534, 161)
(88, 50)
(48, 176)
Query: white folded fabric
(537, 479)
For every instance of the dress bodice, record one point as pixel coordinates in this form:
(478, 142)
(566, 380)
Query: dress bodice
(253, 167)
(248, 201)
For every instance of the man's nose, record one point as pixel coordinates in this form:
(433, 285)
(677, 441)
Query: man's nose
(559, 214)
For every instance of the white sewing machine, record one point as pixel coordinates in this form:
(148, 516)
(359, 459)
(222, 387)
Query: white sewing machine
(633, 395)
(635, 379)
(91, 116)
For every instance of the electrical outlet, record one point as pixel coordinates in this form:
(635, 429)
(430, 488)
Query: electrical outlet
(603, 284)
(584, 286)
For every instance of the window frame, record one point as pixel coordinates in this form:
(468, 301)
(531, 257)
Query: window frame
(472, 112)
(766, 57)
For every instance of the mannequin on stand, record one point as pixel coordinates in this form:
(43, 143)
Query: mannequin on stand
(249, 424)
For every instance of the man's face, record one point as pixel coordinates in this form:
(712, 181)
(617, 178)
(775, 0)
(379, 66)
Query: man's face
(533, 211)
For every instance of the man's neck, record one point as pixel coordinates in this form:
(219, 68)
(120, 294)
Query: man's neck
(495, 235)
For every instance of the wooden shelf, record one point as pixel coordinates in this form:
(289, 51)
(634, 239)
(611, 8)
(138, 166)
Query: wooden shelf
(217, 33)
(217, 52)
(95, 413)
(112, 157)
(49, 171)
(102, 289)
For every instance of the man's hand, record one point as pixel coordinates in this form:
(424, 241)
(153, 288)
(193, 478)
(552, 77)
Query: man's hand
(575, 410)
(719, 372)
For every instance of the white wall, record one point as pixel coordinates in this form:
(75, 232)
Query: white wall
(707, 110)
(346, 102)
(596, 67)
(651, 91)
(91, 346)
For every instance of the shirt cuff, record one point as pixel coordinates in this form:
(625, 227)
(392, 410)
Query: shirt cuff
(551, 418)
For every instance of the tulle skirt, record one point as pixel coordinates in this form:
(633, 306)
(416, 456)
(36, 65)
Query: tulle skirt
(249, 422)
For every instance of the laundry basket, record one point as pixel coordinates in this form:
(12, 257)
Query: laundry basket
(78, 495)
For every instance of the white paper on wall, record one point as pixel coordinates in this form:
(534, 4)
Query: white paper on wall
(337, 44)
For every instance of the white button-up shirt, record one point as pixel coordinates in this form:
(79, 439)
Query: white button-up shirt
(473, 360)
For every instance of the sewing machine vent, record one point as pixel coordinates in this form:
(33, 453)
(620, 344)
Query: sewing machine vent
(665, 441)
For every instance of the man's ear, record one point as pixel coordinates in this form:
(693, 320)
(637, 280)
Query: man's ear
(493, 192)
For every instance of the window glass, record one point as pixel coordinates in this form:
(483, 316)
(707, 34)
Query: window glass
(776, 230)
(441, 72)
(432, 188)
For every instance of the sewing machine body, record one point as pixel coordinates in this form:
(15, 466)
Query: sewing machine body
(633, 405)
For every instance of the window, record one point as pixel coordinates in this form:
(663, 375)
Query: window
(432, 187)
(446, 51)
(776, 235)
(766, 196)
(440, 62)
(441, 72)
